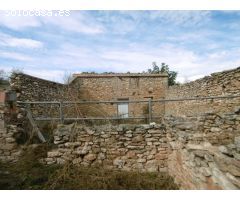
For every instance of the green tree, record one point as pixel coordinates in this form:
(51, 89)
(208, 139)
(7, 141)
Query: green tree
(172, 75)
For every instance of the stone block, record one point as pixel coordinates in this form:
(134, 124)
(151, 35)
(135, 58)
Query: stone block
(160, 156)
(10, 140)
(141, 160)
(77, 161)
(8, 146)
(90, 157)
(237, 141)
(52, 154)
(138, 138)
(119, 162)
(151, 166)
(60, 161)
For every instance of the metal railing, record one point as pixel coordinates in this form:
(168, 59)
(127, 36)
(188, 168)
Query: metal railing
(149, 102)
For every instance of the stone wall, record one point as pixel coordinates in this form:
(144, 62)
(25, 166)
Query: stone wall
(218, 84)
(29, 88)
(9, 149)
(126, 147)
(199, 152)
(92, 87)
(205, 151)
(101, 87)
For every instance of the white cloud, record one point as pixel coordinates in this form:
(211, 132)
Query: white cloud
(189, 64)
(181, 17)
(76, 22)
(15, 56)
(10, 41)
(18, 22)
(48, 74)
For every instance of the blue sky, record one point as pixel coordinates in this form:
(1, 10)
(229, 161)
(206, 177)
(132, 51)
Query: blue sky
(193, 43)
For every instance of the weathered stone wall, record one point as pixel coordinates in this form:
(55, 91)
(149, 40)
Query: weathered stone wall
(100, 87)
(92, 87)
(129, 147)
(31, 88)
(218, 84)
(205, 151)
(199, 152)
(9, 149)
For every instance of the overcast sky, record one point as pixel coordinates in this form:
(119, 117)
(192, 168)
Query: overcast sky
(193, 43)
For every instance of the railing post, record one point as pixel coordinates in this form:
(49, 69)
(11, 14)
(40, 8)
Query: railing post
(61, 112)
(149, 110)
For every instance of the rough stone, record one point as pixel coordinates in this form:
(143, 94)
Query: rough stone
(77, 161)
(52, 154)
(118, 162)
(90, 157)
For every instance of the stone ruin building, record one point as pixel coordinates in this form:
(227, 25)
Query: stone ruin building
(195, 140)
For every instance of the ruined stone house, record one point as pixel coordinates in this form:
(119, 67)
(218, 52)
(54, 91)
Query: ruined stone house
(122, 87)
(197, 142)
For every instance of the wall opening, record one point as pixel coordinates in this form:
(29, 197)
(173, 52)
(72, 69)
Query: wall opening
(122, 108)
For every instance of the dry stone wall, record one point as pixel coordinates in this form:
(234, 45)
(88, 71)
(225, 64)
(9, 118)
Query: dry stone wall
(31, 88)
(127, 147)
(9, 149)
(218, 84)
(199, 152)
(205, 151)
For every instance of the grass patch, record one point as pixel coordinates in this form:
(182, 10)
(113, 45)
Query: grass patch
(28, 173)
(72, 177)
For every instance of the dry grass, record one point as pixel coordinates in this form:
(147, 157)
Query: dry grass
(28, 173)
(72, 177)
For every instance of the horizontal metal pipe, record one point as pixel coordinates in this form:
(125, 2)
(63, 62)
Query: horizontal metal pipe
(89, 118)
(46, 118)
(130, 101)
(38, 102)
(196, 98)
